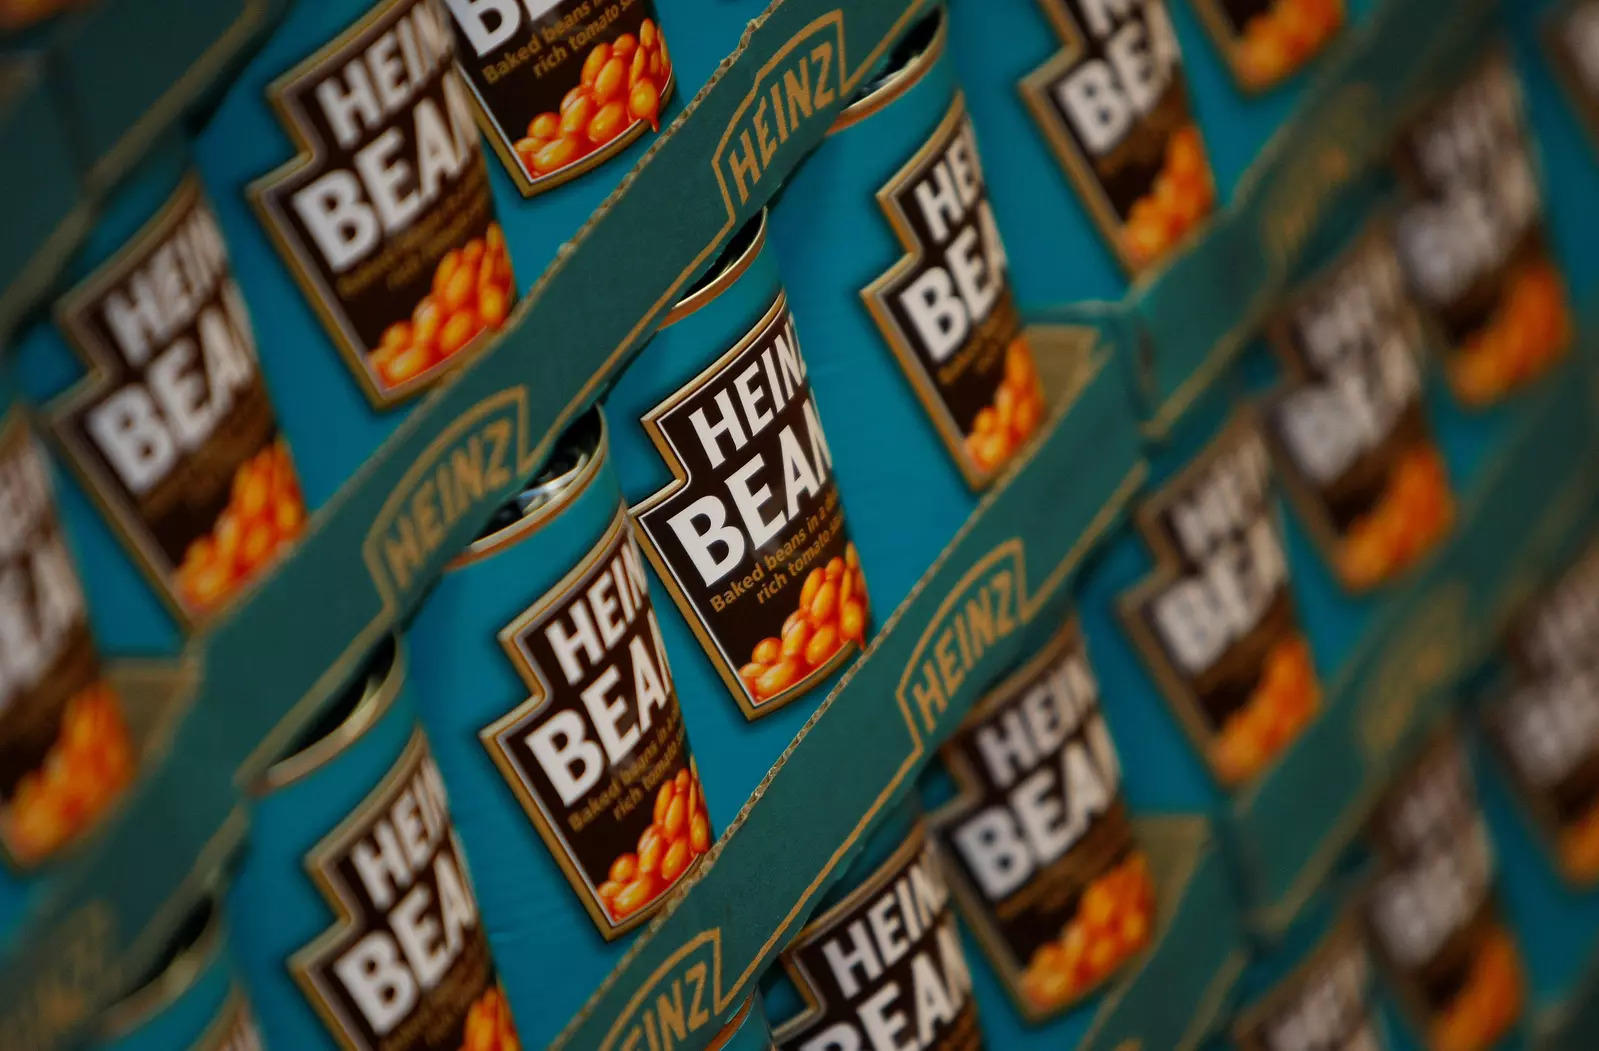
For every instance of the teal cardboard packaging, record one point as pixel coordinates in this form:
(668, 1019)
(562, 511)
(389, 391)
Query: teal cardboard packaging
(882, 954)
(897, 276)
(350, 184)
(179, 488)
(545, 686)
(354, 921)
(725, 459)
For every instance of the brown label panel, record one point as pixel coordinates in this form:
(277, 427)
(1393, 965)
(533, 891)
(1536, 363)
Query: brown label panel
(1546, 724)
(406, 961)
(1324, 1005)
(597, 755)
(886, 958)
(1038, 844)
(1472, 239)
(1431, 909)
(65, 754)
(1113, 105)
(1267, 41)
(750, 537)
(1348, 425)
(946, 307)
(172, 429)
(1215, 621)
(385, 216)
(562, 85)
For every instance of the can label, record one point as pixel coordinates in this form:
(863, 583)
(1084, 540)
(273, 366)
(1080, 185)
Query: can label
(65, 753)
(1431, 907)
(385, 216)
(1348, 425)
(1325, 1004)
(171, 428)
(1572, 39)
(946, 306)
(1215, 620)
(1041, 853)
(233, 1030)
(1471, 236)
(1267, 41)
(597, 755)
(562, 85)
(1546, 724)
(885, 960)
(750, 536)
(406, 963)
(1113, 105)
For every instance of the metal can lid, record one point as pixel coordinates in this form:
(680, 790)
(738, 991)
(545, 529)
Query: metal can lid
(185, 955)
(907, 63)
(736, 258)
(343, 720)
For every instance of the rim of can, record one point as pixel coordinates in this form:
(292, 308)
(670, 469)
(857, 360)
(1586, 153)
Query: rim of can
(194, 942)
(351, 713)
(549, 492)
(922, 46)
(736, 258)
(734, 1024)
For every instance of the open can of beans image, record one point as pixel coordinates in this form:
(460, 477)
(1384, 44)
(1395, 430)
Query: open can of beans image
(352, 188)
(882, 954)
(1035, 835)
(190, 1001)
(354, 921)
(894, 266)
(1098, 169)
(721, 448)
(1264, 42)
(545, 686)
(181, 488)
(66, 754)
(1451, 962)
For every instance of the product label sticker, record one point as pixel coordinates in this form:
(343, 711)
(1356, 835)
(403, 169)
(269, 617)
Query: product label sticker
(1545, 724)
(406, 964)
(1113, 105)
(597, 754)
(1571, 36)
(1324, 1005)
(65, 753)
(385, 216)
(1347, 423)
(1471, 237)
(885, 960)
(1215, 621)
(171, 427)
(946, 308)
(1038, 845)
(750, 536)
(1431, 909)
(561, 86)
(1267, 41)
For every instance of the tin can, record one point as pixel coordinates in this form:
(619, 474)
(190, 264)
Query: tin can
(66, 753)
(354, 920)
(1100, 172)
(722, 453)
(1036, 838)
(181, 489)
(882, 955)
(191, 1000)
(747, 1031)
(893, 261)
(1452, 966)
(554, 713)
(352, 188)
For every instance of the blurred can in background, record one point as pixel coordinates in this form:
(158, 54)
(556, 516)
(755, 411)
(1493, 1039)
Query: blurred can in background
(351, 184)
(882, 954)
(895, 267)
(722, 453)
(190, 1001)
(546, 690)
(353, 914)
(182, 488)
(1099, 171)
